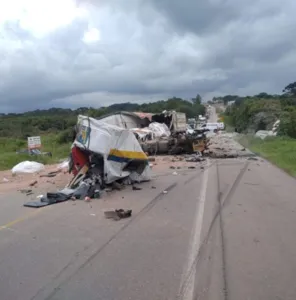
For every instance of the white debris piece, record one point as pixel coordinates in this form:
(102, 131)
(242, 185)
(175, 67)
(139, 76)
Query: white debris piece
(262, 134)
(64, 165)
(159, 129)
(28, 167)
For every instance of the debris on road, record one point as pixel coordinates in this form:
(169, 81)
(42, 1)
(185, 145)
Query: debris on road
(64, 165)
(135, 188)
(27, 167)
(51, 174)
(118, 214)
(49, 199)
(252, 158)
(33, 183)
(25, 191)
(5, 180)
(87, 199)
(224, 145)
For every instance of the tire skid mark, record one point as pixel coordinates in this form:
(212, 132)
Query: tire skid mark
(224, 201)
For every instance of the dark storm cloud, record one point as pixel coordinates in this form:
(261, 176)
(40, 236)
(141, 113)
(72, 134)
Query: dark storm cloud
(149, 49)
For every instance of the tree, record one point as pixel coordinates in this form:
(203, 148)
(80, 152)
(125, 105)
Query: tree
(263, 95)
(290, 89)
(197, 99)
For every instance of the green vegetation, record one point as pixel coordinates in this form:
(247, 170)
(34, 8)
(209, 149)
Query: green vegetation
(50, 143)
(55, 127)
(278, 150)
(61, 121)
(252, 113)
(259, 112)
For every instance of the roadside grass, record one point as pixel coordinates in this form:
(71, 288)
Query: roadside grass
(281, 151)
(9, 146)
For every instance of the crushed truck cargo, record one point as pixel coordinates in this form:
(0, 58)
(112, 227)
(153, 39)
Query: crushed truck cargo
(101, 155)
(112, 149)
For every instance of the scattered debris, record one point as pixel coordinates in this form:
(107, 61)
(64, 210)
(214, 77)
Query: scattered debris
(165, 192)
(117, 186)
(118, 214)
(135, 188)
(25, 191)
(151, 159)
(175, 173)
(252, 158)
(5, 180)
(224, 145)
(51, 198)
(93, 215)
(51, 174)
(87, 199)
(64, 165)
(153, 187)
(194, 158)
(33, 183)
(191, 167)
(172, 167)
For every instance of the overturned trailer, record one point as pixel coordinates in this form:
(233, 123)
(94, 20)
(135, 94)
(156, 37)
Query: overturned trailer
(107, 153)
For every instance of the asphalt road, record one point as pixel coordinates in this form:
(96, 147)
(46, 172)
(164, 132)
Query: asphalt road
(226, 232)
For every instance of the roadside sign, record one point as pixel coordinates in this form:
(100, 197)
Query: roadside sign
(34, 142)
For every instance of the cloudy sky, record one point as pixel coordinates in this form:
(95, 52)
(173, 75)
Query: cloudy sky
(67, 53)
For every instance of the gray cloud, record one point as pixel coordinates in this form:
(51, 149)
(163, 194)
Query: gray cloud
(150, 50)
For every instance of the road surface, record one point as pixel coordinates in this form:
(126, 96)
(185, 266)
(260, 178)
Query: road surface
(223, 232)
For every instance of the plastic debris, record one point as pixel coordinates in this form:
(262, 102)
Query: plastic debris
(64, 165)
(27, 167)
(135, 188)
(118, 214)
(87, 199)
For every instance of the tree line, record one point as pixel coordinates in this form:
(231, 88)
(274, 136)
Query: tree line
(259, 112)
(61, 121)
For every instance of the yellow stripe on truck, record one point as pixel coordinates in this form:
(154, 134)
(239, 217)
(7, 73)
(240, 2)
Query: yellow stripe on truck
(128, 154)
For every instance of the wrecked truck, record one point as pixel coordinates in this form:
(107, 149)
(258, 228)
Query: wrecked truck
(108, 152)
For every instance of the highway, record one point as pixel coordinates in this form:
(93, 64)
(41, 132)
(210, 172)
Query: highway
(223, 232)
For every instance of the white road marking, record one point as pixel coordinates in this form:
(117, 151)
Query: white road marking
(187, 284)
